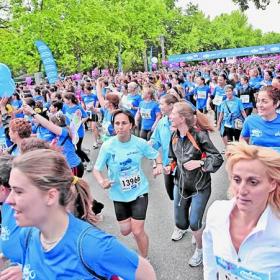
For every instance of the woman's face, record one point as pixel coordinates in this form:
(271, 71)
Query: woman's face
(122, 125)
(164, 107)
(13, 135)
(265, 105)
(251, 185)
(229, 93)
(66, 101)
(221, 81)
(176, 119)
(27, 200)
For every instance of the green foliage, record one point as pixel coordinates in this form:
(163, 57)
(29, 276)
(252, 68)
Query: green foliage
(84, 34)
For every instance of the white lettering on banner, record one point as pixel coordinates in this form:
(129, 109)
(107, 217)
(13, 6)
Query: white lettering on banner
(201, 94)
(218, 99)
(245, 98)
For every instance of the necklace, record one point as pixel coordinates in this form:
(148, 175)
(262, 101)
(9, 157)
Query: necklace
(48, 245)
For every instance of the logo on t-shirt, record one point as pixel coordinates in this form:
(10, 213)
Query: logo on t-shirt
(27, 273)
(256, 133)
(5, 233)
(277, 133)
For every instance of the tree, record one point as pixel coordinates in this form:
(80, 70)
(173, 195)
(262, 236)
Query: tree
(260, 4)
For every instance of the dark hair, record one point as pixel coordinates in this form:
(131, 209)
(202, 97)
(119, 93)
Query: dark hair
(5, 169)
(29, 101)
(125, 112)
(57, 104)
(71, 97)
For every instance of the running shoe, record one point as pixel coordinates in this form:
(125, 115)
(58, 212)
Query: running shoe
(196, 259)
(178, 234)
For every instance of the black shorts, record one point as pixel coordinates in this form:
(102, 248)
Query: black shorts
(135, 209)
(232, 134)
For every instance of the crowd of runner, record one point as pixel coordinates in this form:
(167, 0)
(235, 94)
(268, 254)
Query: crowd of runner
(49, 215)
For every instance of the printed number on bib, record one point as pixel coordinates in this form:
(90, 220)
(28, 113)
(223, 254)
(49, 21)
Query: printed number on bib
(230, 271)
(218, 100)
(201, 94)
(245, 98)
(130, 182)
(145, 113)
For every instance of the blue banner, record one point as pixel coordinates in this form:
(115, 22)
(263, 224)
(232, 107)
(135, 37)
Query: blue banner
(48, 61)
(248, 51)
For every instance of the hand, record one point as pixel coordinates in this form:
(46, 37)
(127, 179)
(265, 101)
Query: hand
(28, 110)
(11, 273)
(167, 169)
(157, 170)
(106, 184)
(192, 164)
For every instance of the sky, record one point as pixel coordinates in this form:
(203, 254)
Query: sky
(267, 20)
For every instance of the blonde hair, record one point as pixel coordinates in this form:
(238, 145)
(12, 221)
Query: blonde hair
(54, 172)
(185, 110)
(237, 151)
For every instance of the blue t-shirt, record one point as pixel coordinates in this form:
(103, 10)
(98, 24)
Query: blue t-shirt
(68, 148)
(148, 112)
(4, 141)
(201, 93)
(89, 100)
(161, 138)
(255, 82)
(219, 96)
(232, 110)
(134, 101)
(70, 111)
(262, 132)
(44, 134)
(102, 252)
(10, 235)
(107, 126)
(16, 104)
(124, 166)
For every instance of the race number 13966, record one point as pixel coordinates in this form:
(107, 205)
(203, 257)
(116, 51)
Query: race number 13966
(130, 182)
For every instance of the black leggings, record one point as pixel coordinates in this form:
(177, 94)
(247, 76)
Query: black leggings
(78, 170)
(83, 156)
(169, 185)
(145, 134)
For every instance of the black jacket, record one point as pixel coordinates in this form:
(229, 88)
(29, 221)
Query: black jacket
(182, 151)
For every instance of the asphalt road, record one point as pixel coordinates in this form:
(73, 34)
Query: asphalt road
(169, 258)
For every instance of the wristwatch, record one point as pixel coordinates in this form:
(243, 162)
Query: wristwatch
(201, 163)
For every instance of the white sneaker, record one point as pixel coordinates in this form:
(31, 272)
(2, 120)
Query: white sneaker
(178, 234)
(196, 259)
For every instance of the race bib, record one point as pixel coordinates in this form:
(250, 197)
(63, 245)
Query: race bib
(129, 182)
(218, 99)
(245, 98)
(145, 113)
(201, 94)
(89, 105)
(230, 271)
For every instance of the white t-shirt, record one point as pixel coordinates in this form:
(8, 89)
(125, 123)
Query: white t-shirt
(259, 253)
